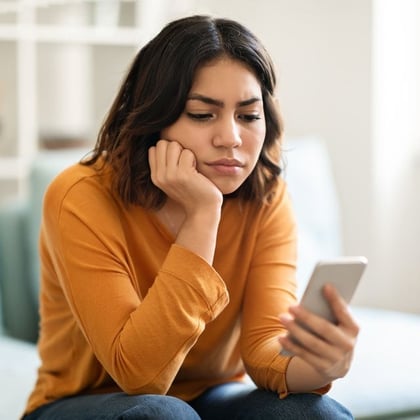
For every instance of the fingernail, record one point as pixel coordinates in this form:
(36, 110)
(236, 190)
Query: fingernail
(328, 288)
(285, 318)
(294, 309)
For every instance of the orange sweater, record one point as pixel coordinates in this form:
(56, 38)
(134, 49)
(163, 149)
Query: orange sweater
(123, 308)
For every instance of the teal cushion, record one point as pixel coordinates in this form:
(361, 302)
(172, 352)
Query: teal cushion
(19, 310)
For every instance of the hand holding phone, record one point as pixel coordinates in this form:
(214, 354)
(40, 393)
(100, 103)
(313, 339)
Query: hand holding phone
(343, 273)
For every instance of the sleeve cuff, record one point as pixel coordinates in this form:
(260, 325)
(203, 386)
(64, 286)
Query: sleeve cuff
(199, 275)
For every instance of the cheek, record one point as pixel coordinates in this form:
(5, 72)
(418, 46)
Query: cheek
(168, 132)
(257, 143)
(180, 133)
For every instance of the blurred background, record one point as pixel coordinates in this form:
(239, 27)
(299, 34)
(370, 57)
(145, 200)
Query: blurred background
(348, 71)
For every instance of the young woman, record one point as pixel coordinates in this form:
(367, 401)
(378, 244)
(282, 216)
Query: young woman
(168, 255)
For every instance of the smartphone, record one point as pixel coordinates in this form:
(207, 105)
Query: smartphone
(343, 273)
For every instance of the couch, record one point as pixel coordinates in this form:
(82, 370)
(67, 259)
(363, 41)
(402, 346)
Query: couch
(384, 382)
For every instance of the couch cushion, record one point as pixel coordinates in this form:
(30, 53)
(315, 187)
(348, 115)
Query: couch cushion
(385, 376)
(19, 310)
(18, 365)
(310, 180)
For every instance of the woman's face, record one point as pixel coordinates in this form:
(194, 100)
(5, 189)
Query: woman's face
(223, 123)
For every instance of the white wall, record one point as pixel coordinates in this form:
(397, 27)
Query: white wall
(396, 142)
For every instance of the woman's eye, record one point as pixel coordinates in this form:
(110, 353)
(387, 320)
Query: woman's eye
(249, 117)
(199, 116)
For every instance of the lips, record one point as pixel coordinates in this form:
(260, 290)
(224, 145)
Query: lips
(226, 166)
(226, 162)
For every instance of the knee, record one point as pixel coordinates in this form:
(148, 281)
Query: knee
(160, 407)
(323, 408)
(267, 405)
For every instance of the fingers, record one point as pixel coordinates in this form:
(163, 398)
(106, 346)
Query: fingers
(173, 169)
(306, 326)
(330, 355)
(166, 155)
(187, 159)
(326, 346)
(304, 339)
(340, 309)
(166, 159)
(170, 153)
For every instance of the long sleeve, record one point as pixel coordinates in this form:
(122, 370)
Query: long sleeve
(270, 290)
(138, 323)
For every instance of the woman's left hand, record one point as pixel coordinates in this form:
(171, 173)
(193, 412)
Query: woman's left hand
(327, 347)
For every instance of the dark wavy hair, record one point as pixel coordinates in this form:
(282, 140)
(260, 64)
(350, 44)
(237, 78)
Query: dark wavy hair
(153, 96)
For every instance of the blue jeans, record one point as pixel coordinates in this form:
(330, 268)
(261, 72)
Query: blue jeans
(232, 401)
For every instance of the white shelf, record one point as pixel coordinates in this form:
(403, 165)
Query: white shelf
(13, 168)
(8, 33)
(69, 30)
(123, 36)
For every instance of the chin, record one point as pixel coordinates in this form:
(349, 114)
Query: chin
(228, 189)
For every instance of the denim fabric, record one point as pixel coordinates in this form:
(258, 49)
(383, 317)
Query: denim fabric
(232, 401)
(238, 401)
(115, 406)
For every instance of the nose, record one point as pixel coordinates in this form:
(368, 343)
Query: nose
(227, 133)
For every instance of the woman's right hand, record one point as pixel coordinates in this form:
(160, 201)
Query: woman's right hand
(173, 170)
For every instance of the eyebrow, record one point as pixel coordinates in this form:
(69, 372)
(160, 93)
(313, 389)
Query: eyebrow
(220, 104)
